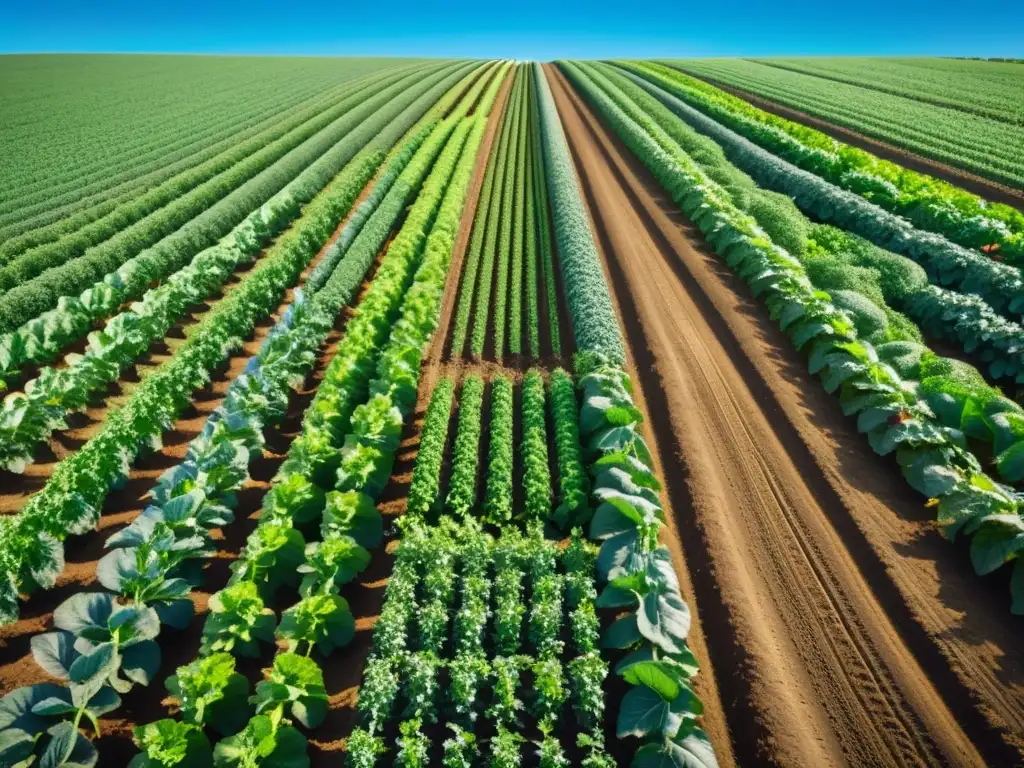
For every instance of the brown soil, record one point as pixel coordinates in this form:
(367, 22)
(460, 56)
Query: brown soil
(834, 623)
(978, 185)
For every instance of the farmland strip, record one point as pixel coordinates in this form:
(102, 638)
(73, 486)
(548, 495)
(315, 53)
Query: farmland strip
(319, 154)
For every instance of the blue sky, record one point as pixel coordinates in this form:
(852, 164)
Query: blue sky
(526, 30)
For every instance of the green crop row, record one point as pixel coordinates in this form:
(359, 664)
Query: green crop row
(929, 203)
(474, 252)
(534, 450)
(337, 487)
(544, 252)
(72, 499)
(462, 489)
(500, 453)
(519, 231)
(572, 509)
(946, 263)
(595, 326)
(990, 148)
(499, 232)
(130, 227)
(865, 282)
(441, 587)
(316, 160)
(106, 136)
(424, 490)
(42, 339)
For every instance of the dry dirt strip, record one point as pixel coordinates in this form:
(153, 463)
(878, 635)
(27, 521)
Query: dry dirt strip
(841, 629)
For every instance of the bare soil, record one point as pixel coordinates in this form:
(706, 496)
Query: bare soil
(834, 624)
(979, 185)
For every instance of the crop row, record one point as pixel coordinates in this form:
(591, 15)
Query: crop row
(946, 263)
(41, 339)
(106, 642)
(301, 495)
(982, 88)
(891, 414)
(990, 148)
(641, 589)
(318, 158)
(510, 235)
(178, 199)
(86, 205)
(863, 281)
(595, 328)
(71, 500)
(499, 231)
(928, 203)
(217, 464)
(84, 145)
(500, 504)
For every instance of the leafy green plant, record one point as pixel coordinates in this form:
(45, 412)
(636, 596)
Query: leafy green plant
(505, 749)
(595, 328)
(320, 621)
(467, 673)
(295, 688)
(534, 448)
(508, 611)
(426, 478)
(572, 508)
(167, 743)
(413, 745)
(211, 693)
(238, 621)
(419, 686)
(460, 749)
(498, 499)
(499, 228)
(378, 692)
(264, 743)
(363, 749)
(462, 486)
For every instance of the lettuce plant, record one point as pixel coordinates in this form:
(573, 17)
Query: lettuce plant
(211, 693)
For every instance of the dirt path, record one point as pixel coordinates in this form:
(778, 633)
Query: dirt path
(840, 627)
(978, 185)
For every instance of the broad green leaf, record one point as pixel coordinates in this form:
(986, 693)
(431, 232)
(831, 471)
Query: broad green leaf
(55, 653)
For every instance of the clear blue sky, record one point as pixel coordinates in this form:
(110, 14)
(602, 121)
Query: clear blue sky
(525, 30)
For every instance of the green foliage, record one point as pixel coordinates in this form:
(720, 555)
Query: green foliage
(324, 154)
(499, 224)
(965, 140)
(426, 479)
(572, 506)
(893, 416)
(500, 452)
(167, 743)
(519, 232)
(534, 447)
(595, 326)
(870, 321)
(211, 693)
(545, 252)
(780, 218)
(462, 488)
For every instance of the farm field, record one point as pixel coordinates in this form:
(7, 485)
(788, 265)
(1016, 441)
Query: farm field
(977, 128)
(490, 413)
